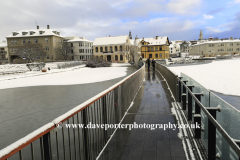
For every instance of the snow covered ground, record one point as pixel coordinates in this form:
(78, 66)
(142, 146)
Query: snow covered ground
(70, 76)
(220, 76)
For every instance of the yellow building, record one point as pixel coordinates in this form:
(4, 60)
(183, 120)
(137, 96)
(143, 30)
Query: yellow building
(50, 40)
(155, 48)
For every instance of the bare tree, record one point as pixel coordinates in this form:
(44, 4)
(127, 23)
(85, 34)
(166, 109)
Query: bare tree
(66, 50)
(31, 51)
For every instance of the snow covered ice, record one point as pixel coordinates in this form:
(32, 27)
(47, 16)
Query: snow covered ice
(220, 76)
(70, 77)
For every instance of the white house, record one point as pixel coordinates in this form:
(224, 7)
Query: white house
(82, 48)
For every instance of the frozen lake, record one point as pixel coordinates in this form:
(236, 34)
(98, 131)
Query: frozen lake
(25, 109)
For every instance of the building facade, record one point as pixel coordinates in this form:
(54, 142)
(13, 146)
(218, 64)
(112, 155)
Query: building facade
(82, 48)
(3, 51)
(50, 40)
(156, 48)
(216, 48)
(174, 48)
(112, 48)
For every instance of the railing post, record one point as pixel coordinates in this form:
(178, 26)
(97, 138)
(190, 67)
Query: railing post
(85, 132)
(197, 116)
(179, 89)
(184, 97)
(46, 146)
(212, 134)
(190, 103)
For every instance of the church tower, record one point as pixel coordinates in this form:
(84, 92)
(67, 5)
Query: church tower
(130, 35)
(200, 36)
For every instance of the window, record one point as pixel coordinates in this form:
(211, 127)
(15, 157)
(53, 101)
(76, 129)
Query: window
(171, 48)
(142, 43)
(211, 45)
(116, 57)
(15, 42)
(35, 40)
(151, 48)
(156, 48)
(14, 50)
(156, 55)
(28, 41)
(230, 49)
(106, 49)
(47, 56)
(96, 49)
(160, 55)
(121, 57)
(238, 44)
(237, 49)
(120, 50)
(101, 49)
(46, 40)
(160, 48)
(148, 48)
(60, 41)
(11, 42)
(23, 41)
(116, 49)
(220, 44)
(150, 55)
(11, 50)
(47, 48)
(230, 44)
(55, 40)
(110, 48)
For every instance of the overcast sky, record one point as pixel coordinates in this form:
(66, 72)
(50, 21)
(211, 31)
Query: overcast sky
(177, 19)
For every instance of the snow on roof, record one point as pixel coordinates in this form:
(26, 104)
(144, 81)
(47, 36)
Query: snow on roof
(79, 40)
(219, 41)
(45, 32)
(175, 43)
(110, 40)
(154, 41)
(3, 44)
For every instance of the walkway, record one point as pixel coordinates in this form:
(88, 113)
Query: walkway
(151, 106)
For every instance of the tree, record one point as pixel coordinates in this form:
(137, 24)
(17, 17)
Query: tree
(31, 51)
(66, 50)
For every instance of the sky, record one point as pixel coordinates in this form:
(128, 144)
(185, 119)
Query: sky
(177, 19)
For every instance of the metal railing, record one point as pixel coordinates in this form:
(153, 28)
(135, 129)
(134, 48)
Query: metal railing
(170, 77)
(54, 141)
(200, 110)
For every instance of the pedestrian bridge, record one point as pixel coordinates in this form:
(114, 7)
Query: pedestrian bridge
(139, 118)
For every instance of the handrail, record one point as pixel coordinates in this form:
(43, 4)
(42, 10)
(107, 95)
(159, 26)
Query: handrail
(30, 138)
(230, 141)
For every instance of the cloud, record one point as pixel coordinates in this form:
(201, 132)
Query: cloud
(93, 18)
(205, 16)
(184, 6)
(236, 1)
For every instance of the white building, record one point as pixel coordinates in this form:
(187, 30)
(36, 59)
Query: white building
(82, 48)
(112, 48)
(174, 48)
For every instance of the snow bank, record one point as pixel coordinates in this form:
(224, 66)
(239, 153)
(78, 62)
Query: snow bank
(220, 76)
(11, 68)
(71, 77)
(121, 64)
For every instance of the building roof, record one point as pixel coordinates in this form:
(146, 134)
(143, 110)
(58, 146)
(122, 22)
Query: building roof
(156, 41)
(219, 41)
(110, 40)
(46, 32)
(79, 40)
(173, 44)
